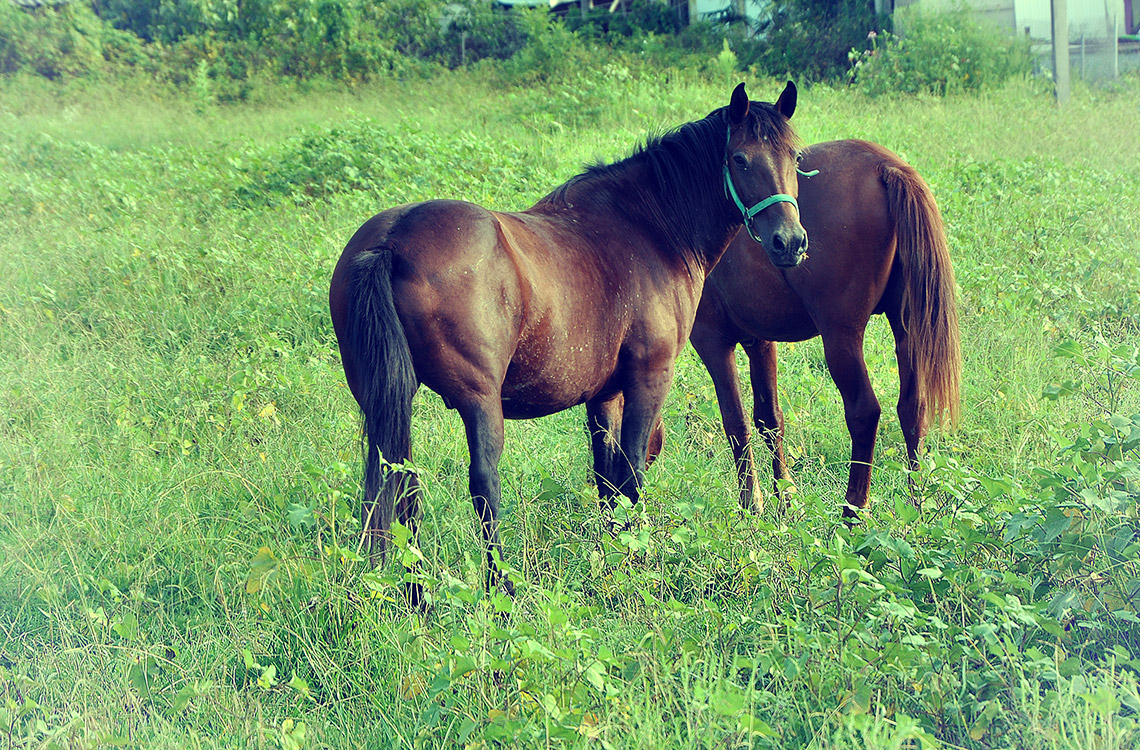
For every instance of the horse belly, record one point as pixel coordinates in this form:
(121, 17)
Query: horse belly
(530, 392)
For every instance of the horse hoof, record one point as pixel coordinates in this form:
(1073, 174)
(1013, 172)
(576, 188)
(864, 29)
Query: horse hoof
(500, 581)
(507, 586)
(414, 595)
(753, 505)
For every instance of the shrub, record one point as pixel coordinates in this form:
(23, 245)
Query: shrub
(939, 53)
(551, 51)
(811, 38)
(450, 34)
(361, 156)
(348, 40)
(476, 30)
(640, 18)
(65, 40)
(226, 67)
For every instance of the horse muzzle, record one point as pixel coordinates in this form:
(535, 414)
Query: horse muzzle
(787, 247)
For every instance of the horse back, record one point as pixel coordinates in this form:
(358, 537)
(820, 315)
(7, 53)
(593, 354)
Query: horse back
(539, 306)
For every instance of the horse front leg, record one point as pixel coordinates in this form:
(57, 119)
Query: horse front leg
(719, 356)
(483, 420)
(644, 396)
(766, 411)
(603, 422)
(843, 351)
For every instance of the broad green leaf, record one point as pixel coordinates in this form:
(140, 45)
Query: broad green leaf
(595, 675)
(728, 703)
(268, 677)
(189, 692)
(1070, 350)
(754, 725)
(300, 685)
(299, 515)
(261, 568)
(126, 626)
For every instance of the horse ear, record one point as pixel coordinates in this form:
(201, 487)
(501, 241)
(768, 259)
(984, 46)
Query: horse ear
(786, 104)
(738, 106)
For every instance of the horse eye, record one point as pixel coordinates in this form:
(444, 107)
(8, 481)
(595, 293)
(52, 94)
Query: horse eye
(741, 160)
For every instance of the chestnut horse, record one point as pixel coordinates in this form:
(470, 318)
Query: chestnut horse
(877, 246)
(586, 297)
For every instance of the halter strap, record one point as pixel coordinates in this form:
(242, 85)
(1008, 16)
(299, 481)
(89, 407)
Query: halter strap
(746, 212)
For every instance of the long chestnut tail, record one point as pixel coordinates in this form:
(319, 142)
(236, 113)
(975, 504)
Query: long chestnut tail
(930, 314)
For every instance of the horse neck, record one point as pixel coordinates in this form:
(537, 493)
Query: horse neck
(695, 226)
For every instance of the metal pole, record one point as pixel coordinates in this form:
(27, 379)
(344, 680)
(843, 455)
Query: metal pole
(1115, 46)
(1060, 50)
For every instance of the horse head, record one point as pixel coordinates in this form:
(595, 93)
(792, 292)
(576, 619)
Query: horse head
(760, 179)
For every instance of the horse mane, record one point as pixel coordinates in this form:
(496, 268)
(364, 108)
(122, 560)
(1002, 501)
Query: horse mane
(687, 186)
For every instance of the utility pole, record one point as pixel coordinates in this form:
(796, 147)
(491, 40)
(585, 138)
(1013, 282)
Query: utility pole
(1060, 51)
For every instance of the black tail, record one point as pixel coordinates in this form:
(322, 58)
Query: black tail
(386, 382)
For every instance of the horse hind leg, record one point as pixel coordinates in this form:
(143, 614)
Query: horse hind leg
(766, 411)
(911, 406)
(408, 515)
(483, 420)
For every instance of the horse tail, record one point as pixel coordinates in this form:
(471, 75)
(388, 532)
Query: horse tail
(930, 314)
(386, 382)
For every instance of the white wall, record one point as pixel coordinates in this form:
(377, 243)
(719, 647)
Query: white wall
(1091, 18)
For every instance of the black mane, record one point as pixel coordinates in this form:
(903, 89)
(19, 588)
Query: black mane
(687, 186)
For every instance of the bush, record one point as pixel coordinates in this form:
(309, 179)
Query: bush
(811, 38)
(939, 53)
(343, 39)
(221, 46)
(65, 40)
(640, 18)
(552, 50)
(361, 156)
(478, 30)
(164, 21)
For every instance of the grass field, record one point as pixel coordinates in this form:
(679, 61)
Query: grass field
(179, 455)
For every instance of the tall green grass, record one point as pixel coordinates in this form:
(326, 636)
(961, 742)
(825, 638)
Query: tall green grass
(179, 454)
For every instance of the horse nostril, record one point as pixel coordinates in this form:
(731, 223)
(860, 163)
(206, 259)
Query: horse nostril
(797, 243)
(778, 243)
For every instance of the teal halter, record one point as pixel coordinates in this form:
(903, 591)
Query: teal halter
(746, 212)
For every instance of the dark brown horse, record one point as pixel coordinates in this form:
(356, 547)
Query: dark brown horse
(586, 297)
(877, 246)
